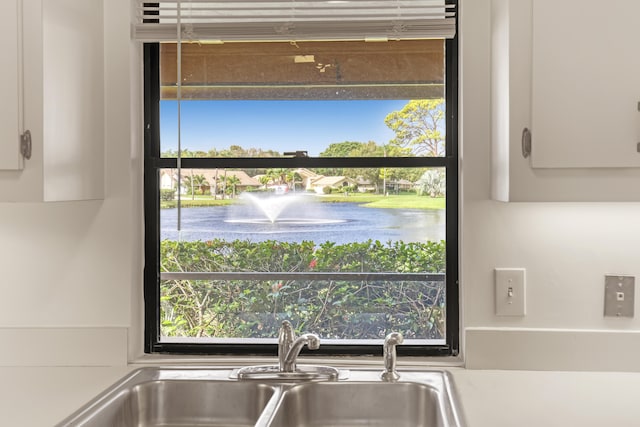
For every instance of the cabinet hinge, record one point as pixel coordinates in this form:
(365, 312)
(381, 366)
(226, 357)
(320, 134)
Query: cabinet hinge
(25, 145)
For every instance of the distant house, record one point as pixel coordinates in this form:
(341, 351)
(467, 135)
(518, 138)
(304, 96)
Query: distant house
(400, 185)
(334, 182)
(168, 179)
(365, 185)
(307, 177)
(215, 179)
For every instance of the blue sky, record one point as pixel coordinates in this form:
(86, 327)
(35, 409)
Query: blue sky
(276, 125)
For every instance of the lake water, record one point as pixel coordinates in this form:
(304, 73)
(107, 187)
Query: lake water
(318, 222)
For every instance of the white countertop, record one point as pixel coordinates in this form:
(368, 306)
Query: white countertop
(549, 399)
(40, 397)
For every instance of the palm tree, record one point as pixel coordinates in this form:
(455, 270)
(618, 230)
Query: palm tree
(291, 178)
(195, 181)
(232, 181)
(201, 182)
(278, 176)
(264, 180)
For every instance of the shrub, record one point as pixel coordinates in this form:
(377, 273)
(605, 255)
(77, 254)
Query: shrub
(332, 308)
(432, 183)
(167, 195)
(348, 189)
(326, 189)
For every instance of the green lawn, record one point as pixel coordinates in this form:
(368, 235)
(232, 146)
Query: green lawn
(199, 201)
(408, 202)
(401, 201)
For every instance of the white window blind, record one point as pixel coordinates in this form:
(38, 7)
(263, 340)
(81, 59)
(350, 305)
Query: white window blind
(294, 20)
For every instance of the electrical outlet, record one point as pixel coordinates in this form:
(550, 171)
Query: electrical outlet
(619, 296)
(510, 291)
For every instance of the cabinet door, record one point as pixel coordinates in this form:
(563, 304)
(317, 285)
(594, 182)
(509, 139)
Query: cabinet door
(585, 83)
(10, 158)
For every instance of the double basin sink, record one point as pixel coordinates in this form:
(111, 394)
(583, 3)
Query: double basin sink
(196, 396)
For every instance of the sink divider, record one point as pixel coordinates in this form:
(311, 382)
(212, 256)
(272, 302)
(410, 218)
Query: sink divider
(268, 412)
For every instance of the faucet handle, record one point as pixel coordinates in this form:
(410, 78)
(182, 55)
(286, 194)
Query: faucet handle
(286, 335)
(286, 328)
(394, 338)
(390, 356)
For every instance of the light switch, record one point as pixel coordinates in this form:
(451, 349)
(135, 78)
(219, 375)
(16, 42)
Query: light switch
(510, 291)
(619, 295)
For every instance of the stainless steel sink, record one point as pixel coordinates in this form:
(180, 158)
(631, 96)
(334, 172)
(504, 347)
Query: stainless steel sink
(212, 397)
(167, 397)
(358, 404)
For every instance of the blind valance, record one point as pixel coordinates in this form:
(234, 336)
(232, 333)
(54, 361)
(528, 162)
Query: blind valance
(294, 20)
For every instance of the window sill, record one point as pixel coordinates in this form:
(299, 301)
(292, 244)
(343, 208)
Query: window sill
(416, 363)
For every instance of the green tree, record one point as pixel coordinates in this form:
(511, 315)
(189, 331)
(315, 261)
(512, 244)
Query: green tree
(353, 149)
(281, 176)
(277, 176)
(231, 184)
(291, 178)
(264, 180)
(369, 149)
(419, 127)
(195, 182)
(232, 151)
(341, 149)
(236, 151)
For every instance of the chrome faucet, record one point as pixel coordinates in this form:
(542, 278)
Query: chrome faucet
(289, 346)
(286, 336)
(389, 355)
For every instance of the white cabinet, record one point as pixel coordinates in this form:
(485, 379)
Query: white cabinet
(585, 83)
(63, 96)
(568, 70)
(10, 107)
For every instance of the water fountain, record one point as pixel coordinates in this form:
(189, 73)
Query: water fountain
(272, 207)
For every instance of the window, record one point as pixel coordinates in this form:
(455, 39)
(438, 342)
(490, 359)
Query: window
(310, 180)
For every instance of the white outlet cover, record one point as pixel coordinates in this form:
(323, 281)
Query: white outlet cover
(510, 290)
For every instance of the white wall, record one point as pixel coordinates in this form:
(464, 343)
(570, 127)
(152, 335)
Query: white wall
(78, 265)
(71, 267)
(567, 248)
